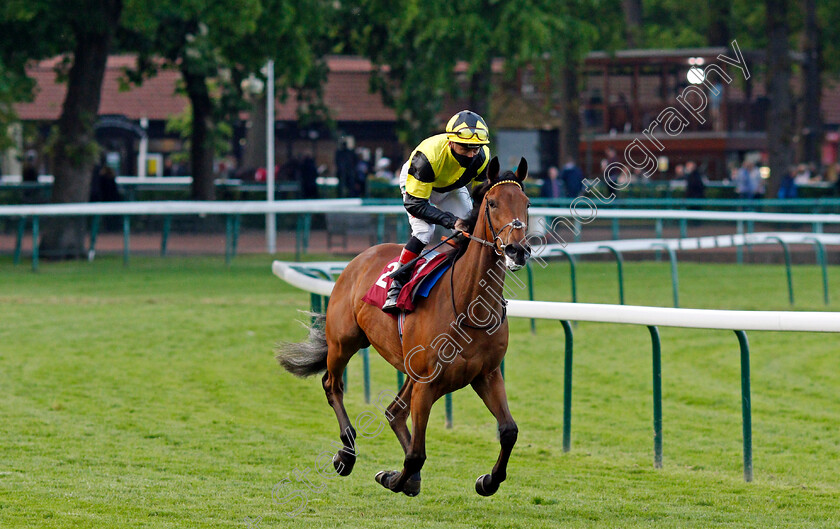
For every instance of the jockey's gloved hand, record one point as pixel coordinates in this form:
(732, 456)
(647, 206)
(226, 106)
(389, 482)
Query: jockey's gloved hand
(461, 225)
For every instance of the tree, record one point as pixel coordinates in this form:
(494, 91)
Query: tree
(720, 12)
(633, 22)
(14, 87)
(412, 48)
(216, 44)
(83, 32)
(780, 112)
(812, 127)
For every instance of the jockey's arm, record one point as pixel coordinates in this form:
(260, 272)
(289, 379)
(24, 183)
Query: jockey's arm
(423, 209)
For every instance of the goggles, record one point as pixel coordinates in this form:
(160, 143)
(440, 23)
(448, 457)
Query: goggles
(468, 134)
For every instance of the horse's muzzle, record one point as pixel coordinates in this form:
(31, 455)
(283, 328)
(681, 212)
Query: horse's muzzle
(516, 255)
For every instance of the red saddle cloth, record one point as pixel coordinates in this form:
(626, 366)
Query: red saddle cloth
(426, 273)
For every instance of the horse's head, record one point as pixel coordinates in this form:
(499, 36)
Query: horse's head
(504, 210)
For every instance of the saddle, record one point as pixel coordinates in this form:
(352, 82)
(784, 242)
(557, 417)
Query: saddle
(427, 272)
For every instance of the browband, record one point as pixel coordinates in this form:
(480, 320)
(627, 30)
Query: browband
(504, 182)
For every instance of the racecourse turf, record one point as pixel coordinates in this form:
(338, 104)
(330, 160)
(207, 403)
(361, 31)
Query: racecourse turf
(148, 396)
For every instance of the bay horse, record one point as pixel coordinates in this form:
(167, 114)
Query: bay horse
(457, 336)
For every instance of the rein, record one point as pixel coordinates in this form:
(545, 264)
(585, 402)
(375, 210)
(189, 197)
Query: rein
(498, 248)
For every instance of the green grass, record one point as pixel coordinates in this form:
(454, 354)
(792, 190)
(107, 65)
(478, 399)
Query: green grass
(148, 396)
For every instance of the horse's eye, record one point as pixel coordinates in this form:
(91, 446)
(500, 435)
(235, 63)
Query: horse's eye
(529, 205)
(491, 203)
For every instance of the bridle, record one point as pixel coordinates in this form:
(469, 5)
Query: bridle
(498, 247)
(497, 243)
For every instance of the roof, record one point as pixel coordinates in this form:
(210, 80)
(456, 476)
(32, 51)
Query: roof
(347, 93)
(155, 99)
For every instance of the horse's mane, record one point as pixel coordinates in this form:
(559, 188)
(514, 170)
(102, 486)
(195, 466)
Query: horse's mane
(472, 219)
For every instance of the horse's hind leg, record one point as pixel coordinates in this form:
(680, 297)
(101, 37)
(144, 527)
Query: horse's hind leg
(339, 354)
(491, 389)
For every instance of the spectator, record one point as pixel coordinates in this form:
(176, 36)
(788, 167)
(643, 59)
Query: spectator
(30, 169)
(572, 178)
(308, 176)
(103, 185)
(745, 183)
(787, 187)
(362, 170)
(29, 176)
(802, 175)
(695, 182)
(614, 174)
(552, 186)
(384, 172)
(345, 168)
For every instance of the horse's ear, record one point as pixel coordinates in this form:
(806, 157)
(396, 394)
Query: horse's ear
(522, 170)
(493, 169)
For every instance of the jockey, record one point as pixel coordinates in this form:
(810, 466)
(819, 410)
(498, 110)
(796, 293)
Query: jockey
(434, 184)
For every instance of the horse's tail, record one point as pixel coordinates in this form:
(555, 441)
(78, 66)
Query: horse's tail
(306, 358)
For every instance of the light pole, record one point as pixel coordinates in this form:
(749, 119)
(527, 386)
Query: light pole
(270, 218)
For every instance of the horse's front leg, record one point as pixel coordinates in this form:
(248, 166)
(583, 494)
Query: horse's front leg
(491, 389)
(397, 415)
(422, 398)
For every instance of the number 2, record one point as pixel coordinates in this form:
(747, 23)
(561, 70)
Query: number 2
(391, 267)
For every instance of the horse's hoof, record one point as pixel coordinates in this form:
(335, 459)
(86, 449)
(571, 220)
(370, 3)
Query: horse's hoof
(484, 485)
(383, 477)
(343, 463)
(412, 487)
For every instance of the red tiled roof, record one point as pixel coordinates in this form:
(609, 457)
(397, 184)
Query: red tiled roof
(155, 99)
(347, 94)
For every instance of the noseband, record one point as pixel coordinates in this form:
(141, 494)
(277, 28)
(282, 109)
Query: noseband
(497, 244)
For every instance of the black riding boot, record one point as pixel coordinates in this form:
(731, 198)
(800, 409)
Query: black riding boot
(397, 282)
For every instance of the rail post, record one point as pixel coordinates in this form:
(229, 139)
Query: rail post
(380, 228)
(126, 238)
(572, 274)
(164, 236)
(787, 265)
(675, 281)
(448, 399)
(366, 372)
(531, 294)
(228, 239)
(821, 260)
(298, 236)
(567, 387)
(94, 231)
(658, 254)
(746, 408)
(619, 261)
(657, 396)
(36, 227)
(19, 240)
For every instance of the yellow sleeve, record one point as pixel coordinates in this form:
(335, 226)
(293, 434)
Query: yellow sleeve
(416, 188)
